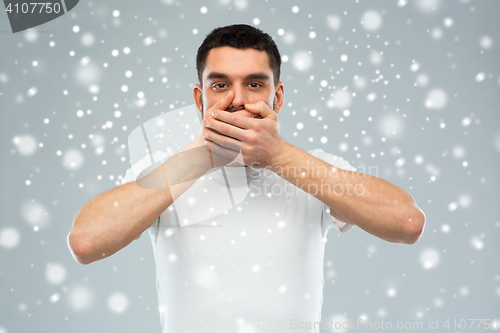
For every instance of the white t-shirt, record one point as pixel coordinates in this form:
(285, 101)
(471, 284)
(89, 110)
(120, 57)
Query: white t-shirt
(255, 267)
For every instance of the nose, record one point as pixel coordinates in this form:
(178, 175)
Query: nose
(240, 98)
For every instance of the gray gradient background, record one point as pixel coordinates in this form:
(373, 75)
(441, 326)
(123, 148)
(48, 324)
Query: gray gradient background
(360, 269)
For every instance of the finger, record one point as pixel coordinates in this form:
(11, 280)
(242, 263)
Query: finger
(261, 109)
(223, 103)
(211, 129)
(224, 156)
(246, 114)
(230, 123)
(221, 140)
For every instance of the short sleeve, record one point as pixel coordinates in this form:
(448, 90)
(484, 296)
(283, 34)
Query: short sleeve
(134, 171)
(328, 220)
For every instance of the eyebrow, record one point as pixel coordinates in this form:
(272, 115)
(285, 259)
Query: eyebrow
(254, 76)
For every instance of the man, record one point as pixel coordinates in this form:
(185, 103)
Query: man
(258, 267)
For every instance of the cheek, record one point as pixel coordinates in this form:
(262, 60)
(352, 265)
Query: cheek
(265, 96)
(271, 97)
(272, 101)
(208, 100)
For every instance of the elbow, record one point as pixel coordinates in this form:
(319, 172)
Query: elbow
(78, 248)
(415, 226)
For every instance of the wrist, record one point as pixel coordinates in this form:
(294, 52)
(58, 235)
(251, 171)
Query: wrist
(196, 156)
(282, 158)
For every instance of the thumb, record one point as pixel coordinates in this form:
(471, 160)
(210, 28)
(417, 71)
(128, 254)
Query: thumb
(260, 108)
(224, 102)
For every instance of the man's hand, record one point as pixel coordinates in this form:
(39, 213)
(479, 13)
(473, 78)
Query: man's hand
(258, 140)
(217, 160)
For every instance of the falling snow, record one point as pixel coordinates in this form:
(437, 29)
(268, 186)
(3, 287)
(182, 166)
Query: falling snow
(406, 91)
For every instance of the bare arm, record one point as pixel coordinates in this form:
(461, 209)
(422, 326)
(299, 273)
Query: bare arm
(113, 219)
(373, 204)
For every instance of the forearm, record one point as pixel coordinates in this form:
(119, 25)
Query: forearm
(113, 219)
(373, 204)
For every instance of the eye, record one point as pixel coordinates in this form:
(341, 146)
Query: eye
(255, 85)
(219, 86)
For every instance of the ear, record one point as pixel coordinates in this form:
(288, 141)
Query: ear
(197, 96)
(279, 97)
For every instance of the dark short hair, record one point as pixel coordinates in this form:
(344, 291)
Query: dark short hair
(240, 36)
